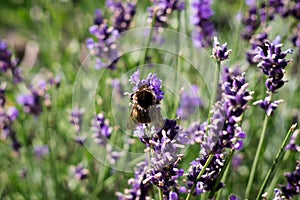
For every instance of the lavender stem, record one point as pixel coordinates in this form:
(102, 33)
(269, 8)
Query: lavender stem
(277, 160)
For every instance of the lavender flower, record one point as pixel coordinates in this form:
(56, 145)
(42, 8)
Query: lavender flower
(255, 42)
(292, 144)
(278, 195)
(165, 178)
(268, 106)
(233, 197)
(162, 9)
(204, 29)
(41, 151)
(123, 13)
(152, 82)
(139, 189)
(207, 180)
(7, 117)
(251, 22)
(33, 102)
(272, 63)
(76, 117)
(296, 37)
(104, 48)
(189, 103)
(293, 184)
(220, 52)
(7, 62)
(261, 15)
(80, 172)
(101, 129)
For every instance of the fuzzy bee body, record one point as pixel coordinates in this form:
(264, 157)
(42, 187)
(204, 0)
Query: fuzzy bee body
(144, 108)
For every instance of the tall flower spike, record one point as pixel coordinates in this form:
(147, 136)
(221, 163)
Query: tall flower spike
(220, 52)
(123, 13)
(293, 184)
(101, 129)
(104, 48)
(272, 63)
(7, 62)
(204, 30)
(189, 103)
(162, 9)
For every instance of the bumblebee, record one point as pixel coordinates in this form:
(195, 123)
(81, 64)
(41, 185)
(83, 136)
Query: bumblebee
(144, 108)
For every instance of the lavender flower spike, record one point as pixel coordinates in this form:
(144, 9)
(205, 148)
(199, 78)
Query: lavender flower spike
(220, 52)
(80, 172)
(293, 186)
(204, 28)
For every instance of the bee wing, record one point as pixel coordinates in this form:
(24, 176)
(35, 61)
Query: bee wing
(131, 124)
(156, 119)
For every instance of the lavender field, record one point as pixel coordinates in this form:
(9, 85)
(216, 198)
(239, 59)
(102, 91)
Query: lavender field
(141, 100)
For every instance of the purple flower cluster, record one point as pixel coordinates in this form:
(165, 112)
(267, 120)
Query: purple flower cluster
(8, 63)
(164, 147)
(105, 47)
(41, 151)
(139, 189)
(101, 133)
(224, 130)
(255, 42)
(76, 117)
(166, 178)
(220, 52)
(151, 82)
(260, 15)
(296, 37)
(251, 22)
(293, 184)
(292, 145)
(207, 180)
(80, 173)
(101, 129)
(7, 116)
(162, 9)
(189, 103)
(267, 105)
(33, 102)
(204, 29)
(272, 63)
(123, 13)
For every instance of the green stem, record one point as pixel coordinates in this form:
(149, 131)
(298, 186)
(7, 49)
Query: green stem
(256, 158)
(142, 62)
(176, 105)
(209, 159)
(224, 181)
(226, 164)
(277, 160)
(277, 175)
(215, 88)
(161, 196)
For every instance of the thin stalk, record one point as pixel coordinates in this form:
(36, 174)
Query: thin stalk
(175, 106)
(256, 158)
(277, 160)
(223, 180)
(277, 175)
(215, 88)
(142, 62)
(209, 159)
(226, 164)
(160, 194)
